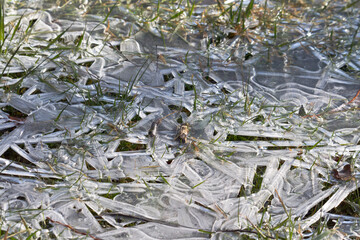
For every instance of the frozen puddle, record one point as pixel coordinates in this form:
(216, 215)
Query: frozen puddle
(130, 139)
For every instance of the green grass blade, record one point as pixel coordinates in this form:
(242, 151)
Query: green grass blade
(192, 8)
(349, 5)
(16, 28)
(204, 231)
(249, 8)
(195, 98)
(354, 42)
(57, 38)
(315, 145)
(239, 12)
(157, 12)
(12, 56)
(2, 17)
(176, 15)
(111, 9)
(80, 40)
(162, 177)
(198, 184)
(32, 235)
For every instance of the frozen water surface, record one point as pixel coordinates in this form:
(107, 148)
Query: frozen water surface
(133, 120)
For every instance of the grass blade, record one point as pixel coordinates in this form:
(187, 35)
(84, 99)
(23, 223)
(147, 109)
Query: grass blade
(57, 38)
(2, 16)
(192, 8)
(176, 15)
(16, 28)
(12, 56)
(111, 9)
(249, 8)
(162, 177)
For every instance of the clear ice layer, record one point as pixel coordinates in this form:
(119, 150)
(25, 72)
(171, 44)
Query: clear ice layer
(112, 128)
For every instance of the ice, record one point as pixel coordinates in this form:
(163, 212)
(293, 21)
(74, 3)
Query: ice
(130, 48)
(91, 112)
